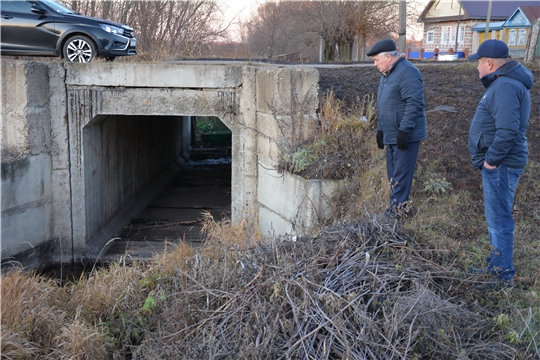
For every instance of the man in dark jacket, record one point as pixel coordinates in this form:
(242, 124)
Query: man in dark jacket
(401, 120)
(498, 147)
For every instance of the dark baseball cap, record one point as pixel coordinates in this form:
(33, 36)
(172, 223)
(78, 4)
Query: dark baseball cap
(493, 49)
(384, 45)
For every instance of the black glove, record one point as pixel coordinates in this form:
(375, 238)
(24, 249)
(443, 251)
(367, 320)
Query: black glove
(380, 141)
(402, 140)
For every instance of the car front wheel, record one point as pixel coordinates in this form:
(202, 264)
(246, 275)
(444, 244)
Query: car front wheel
(79, 48)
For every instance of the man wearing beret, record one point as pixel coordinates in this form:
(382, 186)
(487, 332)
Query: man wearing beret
(401, 120)
(498, 147)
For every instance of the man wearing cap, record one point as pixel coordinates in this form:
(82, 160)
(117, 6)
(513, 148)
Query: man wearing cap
(498, 147)
(401, 120)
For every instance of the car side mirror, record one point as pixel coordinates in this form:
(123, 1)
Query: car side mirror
(38, 10)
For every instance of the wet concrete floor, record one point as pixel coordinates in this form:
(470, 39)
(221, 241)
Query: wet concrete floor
(204, 184)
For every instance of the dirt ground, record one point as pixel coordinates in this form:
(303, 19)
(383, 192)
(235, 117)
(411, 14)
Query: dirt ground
(455, 85)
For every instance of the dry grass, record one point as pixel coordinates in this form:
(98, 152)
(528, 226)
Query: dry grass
(30, 314)
(367, 290)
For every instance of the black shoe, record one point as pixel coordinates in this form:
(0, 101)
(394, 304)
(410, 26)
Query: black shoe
(495, 284)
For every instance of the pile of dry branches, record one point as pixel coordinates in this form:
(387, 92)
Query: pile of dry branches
(353, 292)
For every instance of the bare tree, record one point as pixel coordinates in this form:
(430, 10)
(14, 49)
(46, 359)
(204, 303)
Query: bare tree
(274, 30)
(164, 28)
(338, 25)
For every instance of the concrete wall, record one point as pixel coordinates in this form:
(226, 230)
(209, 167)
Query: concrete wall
(87, 146)
(287, 100)
(290, 204)
(26, 158)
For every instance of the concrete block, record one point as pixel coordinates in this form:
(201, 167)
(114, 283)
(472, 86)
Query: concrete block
(61, 207)
(304, 203)
(25, 114)
(269, 150)
(59, 117)
(274, 90)
(274, 127)
(284, 91)
(164, 75)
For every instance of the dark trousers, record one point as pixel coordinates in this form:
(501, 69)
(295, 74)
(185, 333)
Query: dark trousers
(400, 166)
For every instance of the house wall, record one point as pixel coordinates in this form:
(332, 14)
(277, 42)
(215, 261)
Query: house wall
(516, 50)
(515, 45)
(493, 34)
(437, 28)
(444, 8)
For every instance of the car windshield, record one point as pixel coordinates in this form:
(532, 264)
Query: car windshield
(57, 7)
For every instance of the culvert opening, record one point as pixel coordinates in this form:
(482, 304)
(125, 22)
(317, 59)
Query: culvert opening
(123, 152)
(203, 184)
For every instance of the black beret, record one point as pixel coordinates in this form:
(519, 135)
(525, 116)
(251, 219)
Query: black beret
(382, 46)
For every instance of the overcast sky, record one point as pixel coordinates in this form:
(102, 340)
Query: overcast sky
(242, 7)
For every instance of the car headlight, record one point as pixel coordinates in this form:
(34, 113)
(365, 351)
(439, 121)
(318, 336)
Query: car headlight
(112, 29)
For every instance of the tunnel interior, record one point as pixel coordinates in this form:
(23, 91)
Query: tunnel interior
(123, 155)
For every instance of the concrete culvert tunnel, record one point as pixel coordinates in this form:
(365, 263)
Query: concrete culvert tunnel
(201, 185)
(99, 157)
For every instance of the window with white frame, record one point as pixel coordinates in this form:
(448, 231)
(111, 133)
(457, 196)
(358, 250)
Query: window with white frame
(445, 35)
(494, 34)
(522, 38)
(430, 37)
(449, 35)
(512, 38)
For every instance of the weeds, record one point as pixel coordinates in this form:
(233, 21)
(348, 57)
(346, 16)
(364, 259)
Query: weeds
(437, 185)
(338, 147)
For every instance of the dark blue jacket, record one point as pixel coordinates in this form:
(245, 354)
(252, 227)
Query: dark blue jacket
(400, 103)
(497, 132)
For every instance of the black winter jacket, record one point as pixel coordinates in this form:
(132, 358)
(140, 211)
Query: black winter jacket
(497, 131)
(400, 103)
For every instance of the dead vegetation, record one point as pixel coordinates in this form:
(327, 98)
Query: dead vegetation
(360, 289)
(369, 290)
(353, 292)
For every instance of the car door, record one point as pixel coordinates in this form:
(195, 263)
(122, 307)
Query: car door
(27, 28)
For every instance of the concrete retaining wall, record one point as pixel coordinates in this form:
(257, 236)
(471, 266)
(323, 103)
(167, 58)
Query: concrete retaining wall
(287, 100)
(26, 158)
(86, 146)
(290, 204)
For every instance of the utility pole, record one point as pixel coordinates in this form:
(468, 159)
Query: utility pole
(321, 47)
(487, 20)
(402, 26)
(457, 30)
